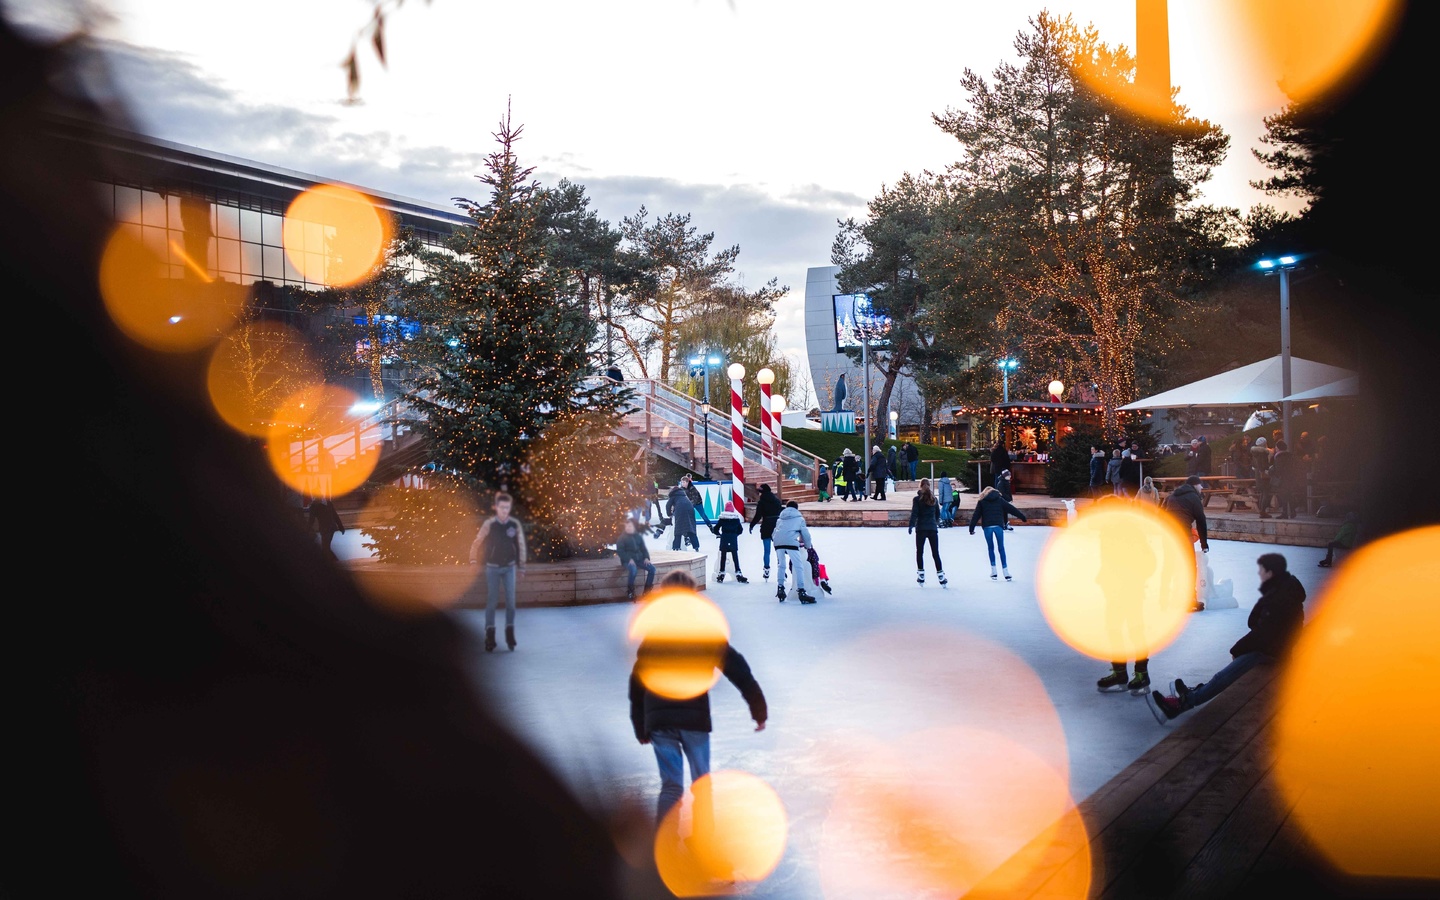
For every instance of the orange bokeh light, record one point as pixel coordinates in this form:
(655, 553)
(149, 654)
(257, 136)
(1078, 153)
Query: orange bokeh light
(1357, 732)
(942, 811)
(737, 836)
(682, 638)
(1118, 582)
(311, 443)
(420, 589)
(335, 235)
(155, 308)
(254, 369)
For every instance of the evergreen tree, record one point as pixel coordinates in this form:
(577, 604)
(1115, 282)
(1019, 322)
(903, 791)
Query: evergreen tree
(506, 359)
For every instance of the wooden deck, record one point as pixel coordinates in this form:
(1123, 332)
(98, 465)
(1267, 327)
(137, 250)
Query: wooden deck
(1197, 816)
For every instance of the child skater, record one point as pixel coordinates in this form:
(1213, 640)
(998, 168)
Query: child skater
(730, 527)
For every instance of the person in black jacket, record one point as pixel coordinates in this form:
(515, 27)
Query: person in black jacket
(679, 730)
(1098, 462)
(1286, 480)
(729, 528)
(850, 469)
(634, 556)
(999, 458)
(912, 460)
(925, 525)
(325, 520)
(1004, 485)
(767, 510)
(892, 461)
(879, 471)
(822, 483)
(1274, 624)
(1187, 505)
(990, 513)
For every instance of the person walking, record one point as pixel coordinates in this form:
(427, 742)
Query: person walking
(1097, 472)
(678, 730)
(792, 534)
(326, 521)
(879, 471)
(767, 512)
(729, 528)
(822, 483)
(945, 496)
(990, 514)
(892, 461)
(912, 460)
(1285, 480)
(925, 525)
(850, 468)
(1112, 474)
(1260, 462)
(500, 545)
(634, 557)
(1274, 623)
(1130, 471)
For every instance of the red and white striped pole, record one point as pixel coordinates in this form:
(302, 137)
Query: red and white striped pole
(737, 439)
(767, 429)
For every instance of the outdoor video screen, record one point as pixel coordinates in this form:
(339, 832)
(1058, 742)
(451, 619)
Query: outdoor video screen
(854, 317)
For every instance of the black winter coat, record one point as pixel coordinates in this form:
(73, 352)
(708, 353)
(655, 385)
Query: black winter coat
(767, 510)
(1277, 618)
(999, 460)
(991, 509)
(1188, 507)
(631, 546)
(850, 466)
(878, 468)
(1097, 470)
(681, 510)
(924, 516)
(649, 711)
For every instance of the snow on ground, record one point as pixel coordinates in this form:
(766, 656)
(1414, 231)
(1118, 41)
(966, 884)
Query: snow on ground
(908, 703)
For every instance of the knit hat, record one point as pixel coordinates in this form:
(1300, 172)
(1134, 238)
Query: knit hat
(1193, 479)
(729, 506)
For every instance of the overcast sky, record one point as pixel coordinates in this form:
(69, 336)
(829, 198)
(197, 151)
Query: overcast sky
(767, 121)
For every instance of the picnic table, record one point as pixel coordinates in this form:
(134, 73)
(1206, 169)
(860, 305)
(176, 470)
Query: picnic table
(1227, 487)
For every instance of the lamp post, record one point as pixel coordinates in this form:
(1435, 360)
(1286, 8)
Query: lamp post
(737, 439)
(705, 409)
(1007, 365)
(766, 377)
(704, 361)
(894, 424)
(1283, 265)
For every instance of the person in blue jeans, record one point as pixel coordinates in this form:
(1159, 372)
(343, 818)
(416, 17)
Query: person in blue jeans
(767, 513)
(678, 730)
(500, 545)
(634, 557)
(1274, 624)
(990, 511)
(912, 460)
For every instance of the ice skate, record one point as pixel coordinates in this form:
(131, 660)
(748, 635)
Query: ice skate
(993, 575)
(1140, 683)
(805, 597)
(1115, 680)
(944, 582)
(780, 594)
(766, 574)
(1163, 708)
(720, 576)
(489, 639)
(825, 586)
(741, 578)
(920, 576)
(630, 595)
(510, 636)
(1007, 575)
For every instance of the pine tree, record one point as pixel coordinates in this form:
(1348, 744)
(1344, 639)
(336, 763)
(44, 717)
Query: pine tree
(506, 359)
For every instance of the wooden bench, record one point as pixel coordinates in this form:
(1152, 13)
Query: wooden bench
(1228, 488)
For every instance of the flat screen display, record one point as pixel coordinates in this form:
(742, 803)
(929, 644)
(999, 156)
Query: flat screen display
(854, 317)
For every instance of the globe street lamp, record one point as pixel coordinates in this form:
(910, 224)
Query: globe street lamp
(894, 423)
(1283, 265)
(1007, 365)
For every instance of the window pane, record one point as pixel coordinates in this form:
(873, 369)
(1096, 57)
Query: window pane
(315, 269)
(172, 207)
(274, 263)
(153, 209)
(250, 225)
(227, 221)
(291, 272)
(157, 242)
(229, 256)
(274, 233)
(212, 256)
(127, 204)
(249, 259)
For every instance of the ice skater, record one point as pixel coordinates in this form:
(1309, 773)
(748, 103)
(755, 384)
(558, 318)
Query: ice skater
(729, 528)
(925, 525)
(990, 512)
(767, 510)
(791, 533)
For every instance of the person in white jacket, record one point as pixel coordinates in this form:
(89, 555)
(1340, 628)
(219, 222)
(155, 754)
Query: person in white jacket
(792, 535)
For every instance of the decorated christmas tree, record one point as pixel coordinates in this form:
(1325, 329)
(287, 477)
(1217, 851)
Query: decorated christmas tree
(504, 396)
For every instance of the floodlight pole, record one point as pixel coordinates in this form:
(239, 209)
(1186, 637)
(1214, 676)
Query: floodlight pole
(1285, 353)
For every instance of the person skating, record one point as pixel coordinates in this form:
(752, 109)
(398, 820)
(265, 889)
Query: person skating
(729, 528)
(1006, 489)
(679, 730)
(791, 534)
(681, 509)
(500, 545)
(990, 512)
(1274, 623)
(925, 525)
(1188, 507)
(1126, 564)
(767, 511)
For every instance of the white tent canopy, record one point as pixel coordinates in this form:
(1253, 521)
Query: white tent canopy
(1345, 387)
(1259, 382)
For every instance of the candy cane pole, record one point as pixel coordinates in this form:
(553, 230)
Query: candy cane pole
(737, 439)
(767, 429)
